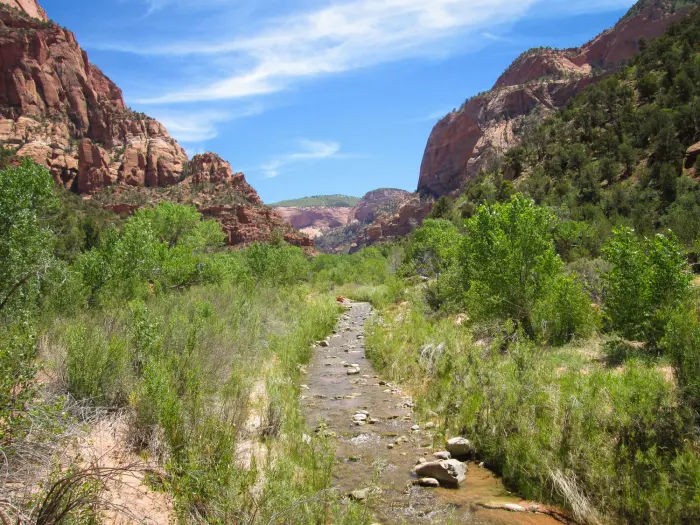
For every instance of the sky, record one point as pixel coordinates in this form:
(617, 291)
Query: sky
(316, 97)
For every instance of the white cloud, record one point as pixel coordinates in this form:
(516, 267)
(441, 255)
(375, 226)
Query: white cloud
(309, 150)
(158, 5)
(341, 36)
(201, 125)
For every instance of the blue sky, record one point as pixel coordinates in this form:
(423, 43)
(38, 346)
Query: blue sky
(312, 97)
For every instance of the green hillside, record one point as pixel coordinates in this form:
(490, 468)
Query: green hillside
(333, 201)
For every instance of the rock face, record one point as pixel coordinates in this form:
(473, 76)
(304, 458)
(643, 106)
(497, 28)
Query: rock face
(538, 82)
(315, 220)
(410, 214)
(376, 202)
(31, 7)
(63, 112)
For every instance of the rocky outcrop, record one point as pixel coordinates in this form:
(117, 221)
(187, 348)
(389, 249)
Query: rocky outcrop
(30, 7)
(410, 214)
(692, 155)
(377, 202)
(63, 112)
(210, 168)
(53, 100)
(316, 220)
(538, 82)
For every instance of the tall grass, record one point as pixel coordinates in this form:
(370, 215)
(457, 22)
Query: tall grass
(604, 442)
(184, 365)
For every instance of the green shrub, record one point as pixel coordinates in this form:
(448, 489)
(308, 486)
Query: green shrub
(682, 343)
(649, 277)
(17, 370)
(26, 194)
(607, 444)
(513, 272)
(564, 313)
(281, 265)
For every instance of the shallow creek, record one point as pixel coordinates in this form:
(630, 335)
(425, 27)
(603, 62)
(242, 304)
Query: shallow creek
(369, 455)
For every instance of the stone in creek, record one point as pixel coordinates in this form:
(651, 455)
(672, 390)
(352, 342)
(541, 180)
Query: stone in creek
(415, 428)
(359, 417)
(323, 344)
(352, 371)
(459, 447)
(448, 472)
(420, 461)
(427, 482)
(359, 495)
(429, 425)
(513, 507)
(443, 454)
(373, 421)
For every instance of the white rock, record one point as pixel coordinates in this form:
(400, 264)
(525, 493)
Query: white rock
(426, 482)
(459, 447)
(443, 454)
(448, 472)
(513, 507)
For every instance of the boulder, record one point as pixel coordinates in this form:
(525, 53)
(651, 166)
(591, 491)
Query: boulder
(692, 155)
(448, 472)
(426, 482)
(459, 447)
(443, 454)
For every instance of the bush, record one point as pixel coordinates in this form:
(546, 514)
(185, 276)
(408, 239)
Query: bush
(26, 194)
(280, 265)
(564, 312)
(648, 279)
(682, 343)
(432, 248)
(17, 370)
(513, 271)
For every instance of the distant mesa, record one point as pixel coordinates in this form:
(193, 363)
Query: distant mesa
(331, 201)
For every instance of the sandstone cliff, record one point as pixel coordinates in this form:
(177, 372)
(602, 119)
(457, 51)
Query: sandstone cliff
(63, 112)
(538, 82)
(315, 220)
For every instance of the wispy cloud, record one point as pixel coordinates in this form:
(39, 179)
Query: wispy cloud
(200, 125)
(339, 36)
(153, 6)
(308, 150)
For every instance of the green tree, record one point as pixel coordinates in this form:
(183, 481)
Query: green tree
(26, 197)
(509, 260)
(648, 278)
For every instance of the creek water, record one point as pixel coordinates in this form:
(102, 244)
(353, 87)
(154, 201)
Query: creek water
(383, 454)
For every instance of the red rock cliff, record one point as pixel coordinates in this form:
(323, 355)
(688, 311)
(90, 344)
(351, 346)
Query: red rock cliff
(539, 81)
(31, 7)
